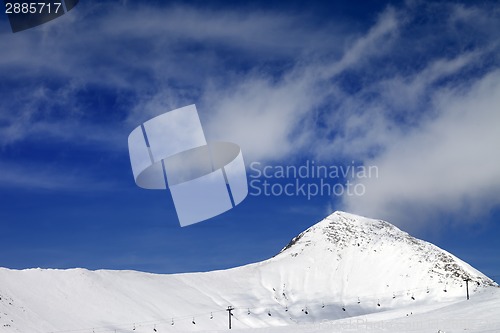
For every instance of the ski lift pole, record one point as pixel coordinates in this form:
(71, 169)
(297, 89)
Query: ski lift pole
(230, 314)
(467, 286)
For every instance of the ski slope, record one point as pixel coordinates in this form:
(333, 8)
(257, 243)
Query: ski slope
(478, 315)
(345, 269)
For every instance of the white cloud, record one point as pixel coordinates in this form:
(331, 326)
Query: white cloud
(416, 98)
(262, 116)
(274, 118)
(450, 165)
(162, 57)
(378, 40)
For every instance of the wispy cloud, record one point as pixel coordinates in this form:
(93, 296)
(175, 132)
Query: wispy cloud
(169, 55)
(415, 97)
(447, 166)
(437, 138)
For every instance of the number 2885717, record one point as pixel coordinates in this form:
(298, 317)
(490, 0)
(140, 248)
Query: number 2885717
(32, 7)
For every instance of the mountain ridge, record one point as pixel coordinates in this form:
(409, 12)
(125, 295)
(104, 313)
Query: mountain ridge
(344, 266)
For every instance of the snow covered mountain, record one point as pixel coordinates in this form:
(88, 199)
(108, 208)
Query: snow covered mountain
(343, 266)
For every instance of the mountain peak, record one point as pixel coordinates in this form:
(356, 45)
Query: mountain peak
(338, 229)
(344, 236)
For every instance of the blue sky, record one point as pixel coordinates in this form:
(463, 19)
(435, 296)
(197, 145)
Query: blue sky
(412, 88)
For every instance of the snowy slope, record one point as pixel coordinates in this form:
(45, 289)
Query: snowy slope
(344, 266)
(478, 315)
